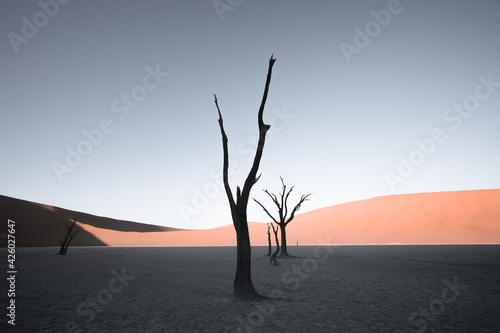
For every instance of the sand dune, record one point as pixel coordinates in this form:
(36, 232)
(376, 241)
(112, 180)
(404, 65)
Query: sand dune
(42, 225)
(461, 217)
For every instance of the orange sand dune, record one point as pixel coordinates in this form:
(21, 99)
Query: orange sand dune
(462, 217)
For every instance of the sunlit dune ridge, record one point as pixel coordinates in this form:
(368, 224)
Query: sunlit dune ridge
(459, 217)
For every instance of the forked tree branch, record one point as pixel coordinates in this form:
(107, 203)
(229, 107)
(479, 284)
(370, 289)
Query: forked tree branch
(297, 207)
(242, 195)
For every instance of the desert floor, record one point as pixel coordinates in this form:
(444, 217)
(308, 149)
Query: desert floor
(324, 289)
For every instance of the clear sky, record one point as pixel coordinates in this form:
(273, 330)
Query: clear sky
(107, 106)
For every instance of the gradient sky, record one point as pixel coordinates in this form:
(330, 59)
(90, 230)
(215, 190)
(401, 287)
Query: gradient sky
(349, 98)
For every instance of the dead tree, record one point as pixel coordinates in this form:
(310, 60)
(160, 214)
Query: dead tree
(273, 257)
(244, 290)
(269, 239)
(282, 205)
(68, 238)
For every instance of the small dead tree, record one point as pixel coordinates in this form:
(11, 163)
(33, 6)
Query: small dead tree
(68, 238)
(269, 239)
(273, 257)
(244, 290)
(282, 205)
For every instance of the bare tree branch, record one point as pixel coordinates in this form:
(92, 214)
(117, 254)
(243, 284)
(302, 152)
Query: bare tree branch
(273, 197)
(297, 207)
(263, 128)
(286, 203)
(282, 195)
(264, 208)
(225, 167)
(257, 179)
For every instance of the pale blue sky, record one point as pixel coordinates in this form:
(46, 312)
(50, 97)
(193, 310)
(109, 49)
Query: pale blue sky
(339, 123)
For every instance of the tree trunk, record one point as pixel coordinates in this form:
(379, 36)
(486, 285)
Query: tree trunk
(269, 242)
(244, 290)
(63, 248)
(273, 257)
(284, 251)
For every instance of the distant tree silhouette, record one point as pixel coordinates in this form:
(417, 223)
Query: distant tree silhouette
(269, 239)
(68, 238)
(273, 257)
(244, 290)
(283, 221)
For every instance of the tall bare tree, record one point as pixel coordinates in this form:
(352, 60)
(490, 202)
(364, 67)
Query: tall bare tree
(244, 290)
(282, 205)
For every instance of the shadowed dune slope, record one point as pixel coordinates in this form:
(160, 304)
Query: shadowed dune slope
(461, 217)
(42, 225)
(37, 225)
